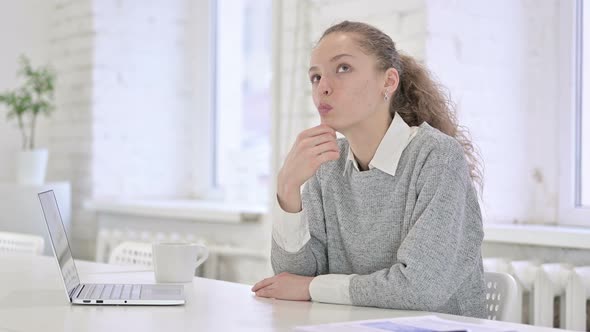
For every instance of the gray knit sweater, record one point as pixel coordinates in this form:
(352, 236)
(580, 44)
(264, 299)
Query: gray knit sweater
(413, 239)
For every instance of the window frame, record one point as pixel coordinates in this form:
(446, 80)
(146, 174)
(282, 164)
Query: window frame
(203, 118)
(570, 83)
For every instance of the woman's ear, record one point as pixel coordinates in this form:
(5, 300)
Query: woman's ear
(391, 80)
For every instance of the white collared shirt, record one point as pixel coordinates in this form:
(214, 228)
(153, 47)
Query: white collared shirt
(390, 149)
(291, 231)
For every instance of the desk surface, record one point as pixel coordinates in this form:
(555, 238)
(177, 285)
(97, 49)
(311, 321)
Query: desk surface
(32, 298)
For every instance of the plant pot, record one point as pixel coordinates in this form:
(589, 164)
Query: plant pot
(31, 167)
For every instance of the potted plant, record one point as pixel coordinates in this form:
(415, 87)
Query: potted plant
(35, 96)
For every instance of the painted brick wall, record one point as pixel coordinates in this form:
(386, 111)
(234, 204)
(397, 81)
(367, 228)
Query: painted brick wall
(124, 100)
(24, 29)
(70, 131)
(499, 60)
(142, 97)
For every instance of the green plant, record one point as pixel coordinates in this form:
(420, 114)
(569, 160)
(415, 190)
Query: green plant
(35, 96)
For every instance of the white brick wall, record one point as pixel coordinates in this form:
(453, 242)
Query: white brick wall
(124, 97)
(24, 29)
(142, 100)
(497, 59)
(70, 141)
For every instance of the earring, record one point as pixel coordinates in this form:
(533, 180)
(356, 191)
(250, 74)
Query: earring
(385, 96)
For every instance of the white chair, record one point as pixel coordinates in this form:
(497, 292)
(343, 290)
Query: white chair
(501, 296)
(132, 253)
(21, 243)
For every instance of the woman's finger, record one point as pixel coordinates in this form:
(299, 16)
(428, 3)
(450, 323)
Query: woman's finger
(317, 140)
(265, 292)
(331, 146)
(263, 283)
(317, 130)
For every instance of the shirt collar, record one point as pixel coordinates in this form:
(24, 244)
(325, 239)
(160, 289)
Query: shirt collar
(389, 151)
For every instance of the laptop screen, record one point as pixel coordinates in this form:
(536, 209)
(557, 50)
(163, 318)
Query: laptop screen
(59, 240)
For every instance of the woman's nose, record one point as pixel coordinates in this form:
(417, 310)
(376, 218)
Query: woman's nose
(325, 87)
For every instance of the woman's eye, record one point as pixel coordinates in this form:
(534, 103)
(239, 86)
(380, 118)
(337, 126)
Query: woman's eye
(314, 78)
(343, 68)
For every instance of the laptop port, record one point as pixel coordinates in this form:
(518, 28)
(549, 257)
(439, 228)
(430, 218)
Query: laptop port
(98, 301)
(86, 301)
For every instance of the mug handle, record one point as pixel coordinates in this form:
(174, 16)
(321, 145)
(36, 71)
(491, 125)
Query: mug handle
(205, 256)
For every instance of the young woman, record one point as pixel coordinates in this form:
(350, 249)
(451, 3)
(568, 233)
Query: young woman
(389, 215)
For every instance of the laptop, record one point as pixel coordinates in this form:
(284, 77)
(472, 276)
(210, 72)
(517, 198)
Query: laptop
(97, 294)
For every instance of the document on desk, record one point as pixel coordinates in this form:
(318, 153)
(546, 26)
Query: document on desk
(405, 324)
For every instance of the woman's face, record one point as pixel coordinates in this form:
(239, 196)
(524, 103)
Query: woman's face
(347, 87)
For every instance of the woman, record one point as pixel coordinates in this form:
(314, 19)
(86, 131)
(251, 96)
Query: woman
(388, 216)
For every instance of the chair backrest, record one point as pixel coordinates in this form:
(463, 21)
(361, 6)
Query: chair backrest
(132, 253)
(501, 295)
(21, 243)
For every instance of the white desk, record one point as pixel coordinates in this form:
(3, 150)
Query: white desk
(32, 298)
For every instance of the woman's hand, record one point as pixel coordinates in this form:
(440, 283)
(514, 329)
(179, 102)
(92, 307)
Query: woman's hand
(312, 148)
(284, 286)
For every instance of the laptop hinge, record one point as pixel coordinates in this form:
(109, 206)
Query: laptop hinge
(75, 291)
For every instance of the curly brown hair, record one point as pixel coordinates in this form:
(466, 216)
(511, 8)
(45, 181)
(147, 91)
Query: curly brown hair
(419, 97)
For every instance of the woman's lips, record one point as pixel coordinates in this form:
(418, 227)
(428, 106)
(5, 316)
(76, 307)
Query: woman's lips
(324, 108)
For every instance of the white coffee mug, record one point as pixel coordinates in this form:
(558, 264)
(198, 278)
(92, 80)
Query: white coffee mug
(176, 262)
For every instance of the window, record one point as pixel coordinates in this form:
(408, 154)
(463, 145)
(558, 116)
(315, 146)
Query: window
(242, 99)
(574, 200)
(583, 109)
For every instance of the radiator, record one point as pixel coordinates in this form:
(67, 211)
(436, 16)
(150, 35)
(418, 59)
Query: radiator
(550, 295)
(108, 239)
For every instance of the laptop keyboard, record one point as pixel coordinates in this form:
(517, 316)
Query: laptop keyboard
(112, 292)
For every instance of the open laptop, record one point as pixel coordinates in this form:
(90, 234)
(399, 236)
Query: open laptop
(128, 294)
